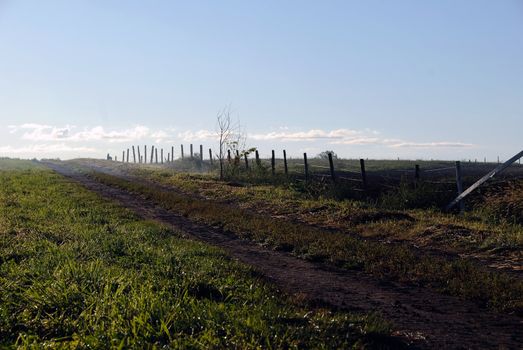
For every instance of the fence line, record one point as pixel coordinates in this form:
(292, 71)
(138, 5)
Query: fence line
(291, 167)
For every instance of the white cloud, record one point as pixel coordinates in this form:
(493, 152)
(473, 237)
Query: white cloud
(431, 145)
(48, 139)
(200, 135)
(310, 135)
(160, 136)
(15, 128)
(359, 141)
(38, 149)
(351, 137)
(45, 132)
(39, 132)
(98, 133)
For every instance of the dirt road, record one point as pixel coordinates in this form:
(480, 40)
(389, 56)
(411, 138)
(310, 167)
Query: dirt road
(422, 317)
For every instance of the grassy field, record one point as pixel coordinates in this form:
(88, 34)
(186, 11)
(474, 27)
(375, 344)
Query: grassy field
(77, 271)
(493, 223)
(338, 232)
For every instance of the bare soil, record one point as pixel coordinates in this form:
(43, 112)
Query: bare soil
(421, 317)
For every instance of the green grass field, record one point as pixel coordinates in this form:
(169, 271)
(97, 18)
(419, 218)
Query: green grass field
(77, 271)
(458, 277)
(337, 232)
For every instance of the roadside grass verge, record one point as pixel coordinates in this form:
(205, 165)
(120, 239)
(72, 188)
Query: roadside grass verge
(477, 232)
(457, 277)
(77, 271)
(502, 203)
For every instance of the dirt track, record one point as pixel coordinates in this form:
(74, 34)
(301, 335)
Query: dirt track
(425, 318)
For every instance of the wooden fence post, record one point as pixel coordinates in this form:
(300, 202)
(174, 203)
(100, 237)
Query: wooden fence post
(134, 155)
(201, 153)
(246, 161)
(145, 155)
(273, 163)
(306, 166)
(210, 156)
(331, 166)
(459, 184)
(229, 155)
(128, 155)
(257, 154)
(172, 153)
(123, 156)
(181, 150)
(363, 173)
(156, 154)
(168, 157)
(238, 155)
(161, 156)
(285, 162)
(139, 154)
(191, 151)
(416, 173)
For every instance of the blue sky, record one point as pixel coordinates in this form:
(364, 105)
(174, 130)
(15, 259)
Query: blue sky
(377, 79)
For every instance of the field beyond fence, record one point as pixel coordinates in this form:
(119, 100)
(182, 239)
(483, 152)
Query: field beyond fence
(442, 180)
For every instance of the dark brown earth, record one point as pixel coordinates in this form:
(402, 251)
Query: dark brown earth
(421, 317)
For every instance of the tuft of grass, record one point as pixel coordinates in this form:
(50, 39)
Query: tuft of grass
(421, 196)
(502, 203)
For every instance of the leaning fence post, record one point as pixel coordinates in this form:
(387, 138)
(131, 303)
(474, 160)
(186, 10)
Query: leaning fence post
(201, 153)
(134, 155)
(246, 161)
(363, 173)
(128, 155)
(257, 157)
(273, 163)
(459, 184)
(181, 150)
(285, 162)
(210, 156)
(306, 166)
(331, 166)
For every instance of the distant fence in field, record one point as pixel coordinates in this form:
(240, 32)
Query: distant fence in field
(362, 174)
